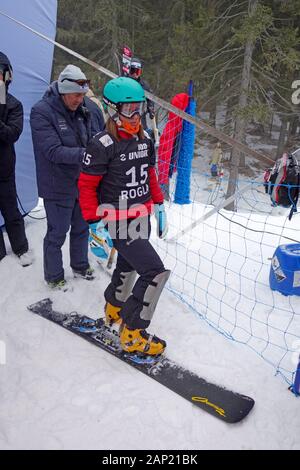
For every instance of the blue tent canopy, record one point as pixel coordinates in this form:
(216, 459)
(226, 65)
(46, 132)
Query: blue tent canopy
(31, 58)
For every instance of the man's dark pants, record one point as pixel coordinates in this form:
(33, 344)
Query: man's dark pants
(13, 219)
(61, 215)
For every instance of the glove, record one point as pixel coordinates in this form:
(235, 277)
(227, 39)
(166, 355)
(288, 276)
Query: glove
(161, 219)
(100, 240)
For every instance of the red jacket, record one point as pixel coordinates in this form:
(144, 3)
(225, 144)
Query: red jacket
(167, 139)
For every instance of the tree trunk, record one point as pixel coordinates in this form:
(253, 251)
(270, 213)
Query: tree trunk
(271, 125)
(115, 31)
(282, 137)
(293, 126)
(213, 116)
(237, 158)
(228, 124)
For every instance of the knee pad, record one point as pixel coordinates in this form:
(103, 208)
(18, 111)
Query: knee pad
(152, 295)
(127, 281)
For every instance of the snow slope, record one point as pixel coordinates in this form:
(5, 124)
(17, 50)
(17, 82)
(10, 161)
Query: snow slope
(59, 392)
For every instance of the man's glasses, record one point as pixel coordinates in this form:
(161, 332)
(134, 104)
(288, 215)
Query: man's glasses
(81, 83)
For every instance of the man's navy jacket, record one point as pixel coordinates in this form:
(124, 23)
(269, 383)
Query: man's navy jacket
(59, 139)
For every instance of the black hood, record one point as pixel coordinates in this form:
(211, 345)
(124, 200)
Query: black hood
(8, 71)
(4, 60)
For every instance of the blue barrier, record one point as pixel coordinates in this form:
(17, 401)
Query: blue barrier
(296, 385)
(184, 166)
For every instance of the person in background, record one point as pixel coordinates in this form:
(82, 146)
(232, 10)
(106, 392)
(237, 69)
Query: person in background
(96, 111)
(118, 189)
(92, 97)
(62, 124)
(135, 72)
(11, 126)
(216, 160)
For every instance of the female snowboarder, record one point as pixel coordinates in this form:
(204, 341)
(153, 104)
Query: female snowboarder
(117, 190)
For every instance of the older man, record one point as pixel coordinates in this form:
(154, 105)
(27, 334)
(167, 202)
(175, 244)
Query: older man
(62, 125)
(11, 126)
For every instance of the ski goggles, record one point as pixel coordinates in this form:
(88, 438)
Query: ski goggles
(128, 110)
(135, 71)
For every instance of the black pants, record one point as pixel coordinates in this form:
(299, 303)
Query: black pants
(13, 219)
(61, 216)
(133, 255)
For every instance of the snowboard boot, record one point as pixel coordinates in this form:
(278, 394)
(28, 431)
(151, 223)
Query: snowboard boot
(112, 314)
(87, 274)
(139, 341)
(58, 285)
(25, 259)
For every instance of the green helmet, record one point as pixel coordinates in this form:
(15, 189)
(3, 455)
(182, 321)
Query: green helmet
(122, 90)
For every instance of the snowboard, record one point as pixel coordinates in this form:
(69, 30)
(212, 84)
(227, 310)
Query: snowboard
(226, 405)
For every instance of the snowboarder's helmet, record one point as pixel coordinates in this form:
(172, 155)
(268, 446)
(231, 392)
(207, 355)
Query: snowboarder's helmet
(122, 90)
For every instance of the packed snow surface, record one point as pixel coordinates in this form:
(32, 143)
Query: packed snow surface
(60, 392)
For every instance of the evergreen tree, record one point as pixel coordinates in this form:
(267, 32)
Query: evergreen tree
(217, 43)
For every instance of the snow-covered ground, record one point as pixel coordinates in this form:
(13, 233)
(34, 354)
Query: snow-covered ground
(60, 392)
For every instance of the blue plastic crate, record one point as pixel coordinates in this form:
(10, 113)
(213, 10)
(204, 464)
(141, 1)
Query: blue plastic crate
(285, 270)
